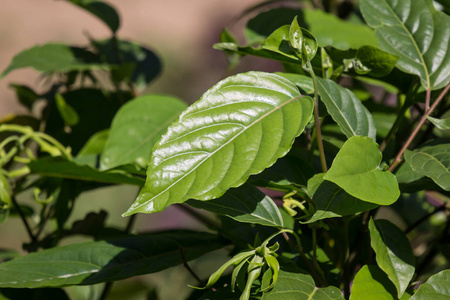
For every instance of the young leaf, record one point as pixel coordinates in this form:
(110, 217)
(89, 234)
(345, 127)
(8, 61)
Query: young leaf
(103, 261)
(279, 42)
(244, 204)
(68, 114)
(300, 286)
(371, 283)
(136, 128)
(238, 128)
(432, 161)
(416, 33)
(103, 11)
(393, 253)
(356, 170)
(347, 110)
(436, 286)
(442, 124)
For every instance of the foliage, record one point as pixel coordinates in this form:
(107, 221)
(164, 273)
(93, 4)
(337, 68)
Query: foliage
(348, 191)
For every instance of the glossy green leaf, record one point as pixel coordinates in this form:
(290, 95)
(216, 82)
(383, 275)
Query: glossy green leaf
(303, 82)
(52, 58)
(106, 260)
(279, 42)
(332, 201)
(299, 286)
(436, 287)
(371, 283)
(442, 124)
(356, 169)
(102, 10)
(62, 168)
(432, 161)
(346, 110)
(238, 128)
(136, 128)
(393, 253)
(416, 33)
(329, 30)
(244, 204)
(302, 41)
(69, 115)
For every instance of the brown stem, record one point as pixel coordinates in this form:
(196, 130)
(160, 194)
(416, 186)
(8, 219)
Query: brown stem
(417, 129)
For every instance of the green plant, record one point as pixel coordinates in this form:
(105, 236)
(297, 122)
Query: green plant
(359, 186)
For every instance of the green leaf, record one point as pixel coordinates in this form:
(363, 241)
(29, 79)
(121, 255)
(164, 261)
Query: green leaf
(393, 253)
(136, 128)
(302, 41)
(299, 286)
(244, 204)
(62, 168)
(95, 144)
(302, 81)
(69, 115)
(52, 58)
(378, 62)
(332, 201)
(442, 124)
(332, 31)
(416, 33)
(25, 95)
(346, 110)
(103, 11)
(356, 170)
(432, 161)
(103, 261)
(279, 42)
(436, 287)
(371, 283)
(238, 128)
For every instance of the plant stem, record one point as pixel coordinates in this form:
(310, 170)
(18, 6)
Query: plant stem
(315, 262)
(427, 100)
(24, 219)
(417, 129)
(186, 265)
(317, 119)
(346, 262)
(424, 218)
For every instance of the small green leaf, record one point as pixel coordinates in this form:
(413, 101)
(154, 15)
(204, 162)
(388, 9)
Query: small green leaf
(332, 31)
(302, 81)
(356, 170)
(244, 204)
(238, 128)
(95, 144)
(436, 287)
(103, 261)
(68, 114)
(279, 42)
(378, 62)
(442, 124)
(103, 11)
(136, 128)
(62, 168)
(274, 265)
(371, 283)
(432, 161)
(416, 33)
(300, 286)
(26, 95)
(393, 253)
(346, 110)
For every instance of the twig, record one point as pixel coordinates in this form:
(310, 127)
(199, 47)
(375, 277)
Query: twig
(24, 220)
(424, 218)
(186, 265)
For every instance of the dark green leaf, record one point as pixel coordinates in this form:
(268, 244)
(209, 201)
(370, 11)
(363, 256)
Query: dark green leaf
(136, 127)
(103, 261)
(300, 286)
(371, 283)
(432, 161)
(332, 31)
(436, 287)
(378, 62)
(103, 11)
(61, 168)
(442, 124)
(356, 170)
(236, 129)
(347, 110)
(26, 95)
(416, 33)
(51, 58)
(35, 294)
(244, 204)
(393, 253)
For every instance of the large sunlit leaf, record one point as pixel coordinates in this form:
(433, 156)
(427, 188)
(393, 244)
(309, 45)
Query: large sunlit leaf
(415, 32)
(136, 127)
(329, 30)
(238, 128)
(371, 283)
(299, 286)
(347, 110)
(62, 168)
(244, 204)
(53, 58)
(356, 169)
(436, 287)
(106, 260)
(393, 253)
(432, 161)
(102, 10)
